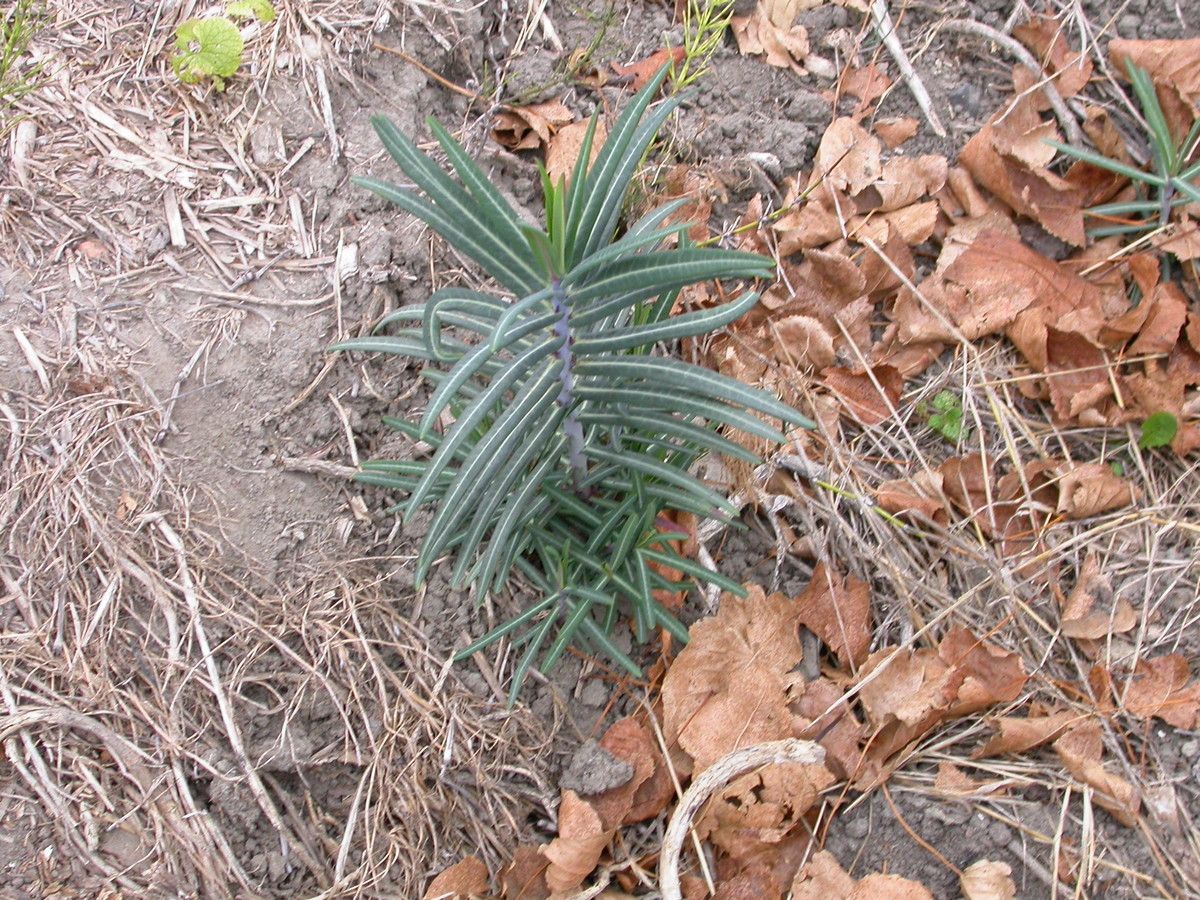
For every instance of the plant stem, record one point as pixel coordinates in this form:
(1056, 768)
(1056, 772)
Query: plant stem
(576, 457)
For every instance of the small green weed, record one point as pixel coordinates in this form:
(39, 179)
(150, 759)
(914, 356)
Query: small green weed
(1158, 430)
(17, 78)
(947, 419)
(212, 47)
(704, 25)
(569, 439)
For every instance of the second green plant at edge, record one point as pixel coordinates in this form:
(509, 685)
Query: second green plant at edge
(568, 439)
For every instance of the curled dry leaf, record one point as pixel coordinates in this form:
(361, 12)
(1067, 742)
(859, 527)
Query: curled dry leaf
(760, 33)
(529, 127)
(582, 837)
(988, 880)
(1091, 489)
(461, 881)
(728, 687)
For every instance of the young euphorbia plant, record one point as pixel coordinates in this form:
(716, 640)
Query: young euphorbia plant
(568, 439)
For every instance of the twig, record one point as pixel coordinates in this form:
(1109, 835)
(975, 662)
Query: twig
(1064, 115)
(712, 779)
(887, 33)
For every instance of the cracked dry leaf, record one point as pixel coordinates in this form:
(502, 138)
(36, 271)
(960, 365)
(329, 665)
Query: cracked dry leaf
(987, 880)
(1080, 749)
(839, 613)
(1159, 687)
(762, 807)
(728, 687)
(823, 878)
(465, 879)
(582, 837)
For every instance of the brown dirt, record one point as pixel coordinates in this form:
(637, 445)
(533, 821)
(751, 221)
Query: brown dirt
(185, 257)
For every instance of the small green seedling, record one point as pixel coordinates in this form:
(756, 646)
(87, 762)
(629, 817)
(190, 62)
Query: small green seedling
(704, 25)
(1158, 431)
(948, 418)
(17, 28)
(1170, 185)
(211, 48)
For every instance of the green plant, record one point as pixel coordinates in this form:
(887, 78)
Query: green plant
(17, 27)
(212, 47)
(948, 418)
(1171, 184)
(704, 25)
(569, 440)
(1158, 430)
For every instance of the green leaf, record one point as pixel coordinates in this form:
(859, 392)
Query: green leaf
(261, 10)
(208, 48)
(1158, 430)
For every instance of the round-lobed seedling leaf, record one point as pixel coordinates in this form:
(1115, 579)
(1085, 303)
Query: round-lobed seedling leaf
(1158, 430)
(208, 48)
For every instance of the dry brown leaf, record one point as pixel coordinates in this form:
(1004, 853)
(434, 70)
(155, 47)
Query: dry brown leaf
(784, 46)
(728, 687)
(1080, 750)
(525, 878)
(823, 878)
(756, 882)
(1015, 736)
(987, 880)
(922, 494)
(1069, 71)
(1008, 156)
(868, 84)
(1091, 489)
(871, 396)
(952, 781)
(468, 878)
(803, 342)
(848, 157)
(640, 73)
(1181, 238)
(839, 613)
(1159, 687)
(986, 674)
(822, 714)
(529, 127)
(565, 145)
(1080, 618)
(762, 807)
(627, 740)
(896, 131)
(581, 839)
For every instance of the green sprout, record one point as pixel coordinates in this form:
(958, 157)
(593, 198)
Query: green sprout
(17, 27)
(948, 420)
(1158, 430)
(704, 25)
(212, 47)
(569, 438)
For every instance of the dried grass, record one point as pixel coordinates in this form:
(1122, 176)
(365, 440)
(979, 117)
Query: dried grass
(150, 688)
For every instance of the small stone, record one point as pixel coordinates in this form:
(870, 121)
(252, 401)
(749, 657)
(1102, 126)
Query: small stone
(593, 770)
